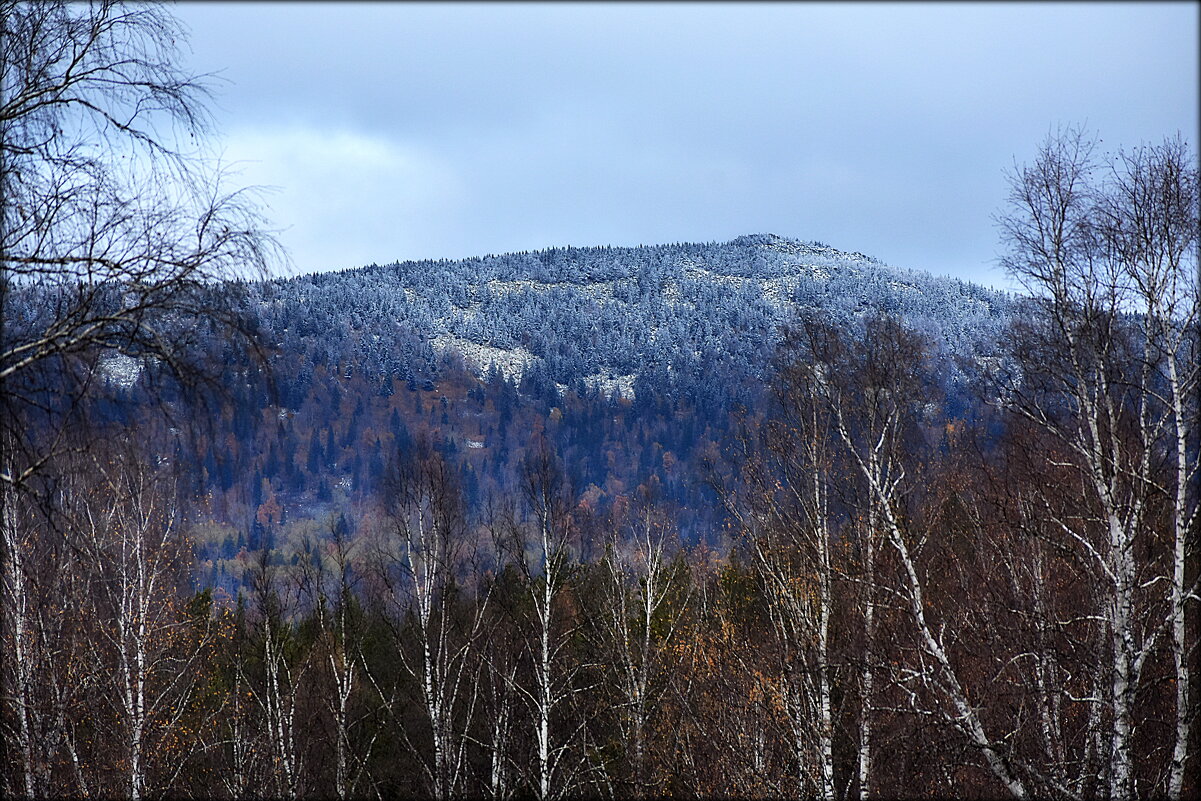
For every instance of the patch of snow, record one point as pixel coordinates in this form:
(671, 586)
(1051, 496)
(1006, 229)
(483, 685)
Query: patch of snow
(511, 362)
(778, 291)
(120, 369)
(612, 385)
(599, 291)
(497, 287)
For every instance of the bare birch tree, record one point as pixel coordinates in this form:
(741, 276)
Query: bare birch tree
(645, 599)
(875, 393)
(784, 514)
(328, 581)
(501, 661)
(1108, 370)
(425, 563)
(44, 675)
(113, 227)
(1150, 226)
(127, 527)
(113, 220)
(541, 549)
(276, 691)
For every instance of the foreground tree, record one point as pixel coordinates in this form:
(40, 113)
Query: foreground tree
(152, 653)
(644, 598)
(541, 548)
(113, 223)
(1149, 220)
(43, 651)
(425, 566)
(329, 585)
(1108, 370)
(113, 229)
(865, 403)
(783, 512)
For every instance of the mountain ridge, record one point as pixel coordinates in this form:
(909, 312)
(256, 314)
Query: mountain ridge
(610, 315)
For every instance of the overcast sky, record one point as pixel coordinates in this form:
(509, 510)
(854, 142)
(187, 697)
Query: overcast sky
(398, 131)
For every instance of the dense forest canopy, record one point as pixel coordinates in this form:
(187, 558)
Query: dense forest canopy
(753, 518)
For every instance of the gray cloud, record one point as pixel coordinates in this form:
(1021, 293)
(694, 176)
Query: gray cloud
(428, 130)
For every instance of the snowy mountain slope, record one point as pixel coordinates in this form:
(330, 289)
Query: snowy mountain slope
(612, 318)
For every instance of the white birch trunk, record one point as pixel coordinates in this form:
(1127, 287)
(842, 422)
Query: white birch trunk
(546, 572)
(431, 541)
(825, 757)
(545, 696)
(1183, 519)
(1122, 760)
(965, 719)
(638, 587)
(279, 703)
(503, 679)
(867, 674)
(19, 667)
(343, 672)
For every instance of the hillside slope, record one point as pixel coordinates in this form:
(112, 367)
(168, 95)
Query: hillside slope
(615, 318)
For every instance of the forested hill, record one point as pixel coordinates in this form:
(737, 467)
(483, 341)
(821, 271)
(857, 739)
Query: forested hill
(661, 318)
(628, 361)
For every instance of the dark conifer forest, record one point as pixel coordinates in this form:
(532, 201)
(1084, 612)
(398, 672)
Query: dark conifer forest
(757, 518)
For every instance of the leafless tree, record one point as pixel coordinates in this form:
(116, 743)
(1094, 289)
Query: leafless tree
(1149, 221)
(155, 654)
(44, 677)
(645, 599)
(875, 394)
(501, 661)
(542, 550)
(276, 692)
(114, 231)
(1108, 369)
(426, 565)
(783, 512)
(114, 226)
(329, 583)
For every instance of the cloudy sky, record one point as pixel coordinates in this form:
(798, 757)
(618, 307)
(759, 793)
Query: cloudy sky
(395, 131)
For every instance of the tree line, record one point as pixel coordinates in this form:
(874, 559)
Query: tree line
(911, 606)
